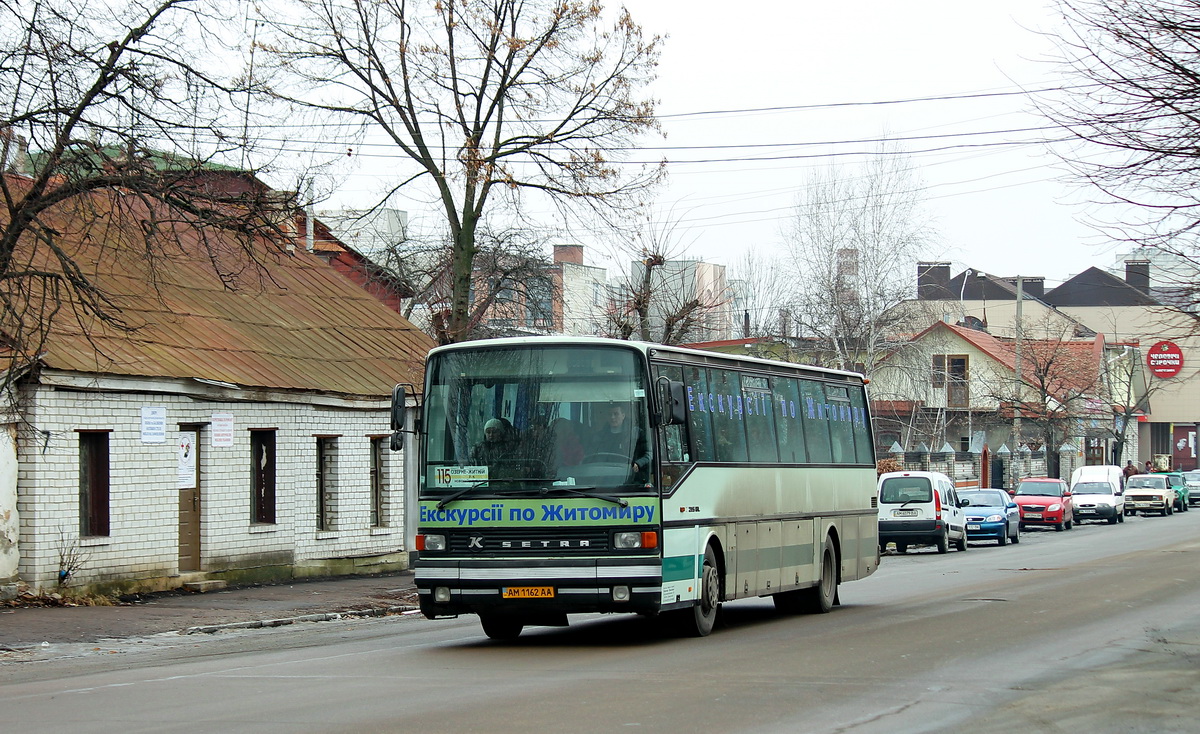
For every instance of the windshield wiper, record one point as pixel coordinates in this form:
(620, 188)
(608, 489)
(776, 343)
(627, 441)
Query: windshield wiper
(480, 483)
(447, 500)
(582, 493)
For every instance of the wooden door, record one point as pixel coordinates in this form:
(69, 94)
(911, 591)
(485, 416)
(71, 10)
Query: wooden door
(189, 500)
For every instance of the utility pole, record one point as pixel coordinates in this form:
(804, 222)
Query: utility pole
(1017, 370)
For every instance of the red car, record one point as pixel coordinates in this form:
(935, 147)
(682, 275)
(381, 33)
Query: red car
(1045, 501)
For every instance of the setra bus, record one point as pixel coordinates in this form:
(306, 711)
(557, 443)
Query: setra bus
(563, 475)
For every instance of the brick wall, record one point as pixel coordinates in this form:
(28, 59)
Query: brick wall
(143, 541)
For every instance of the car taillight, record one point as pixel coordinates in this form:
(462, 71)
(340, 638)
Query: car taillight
(937, 506)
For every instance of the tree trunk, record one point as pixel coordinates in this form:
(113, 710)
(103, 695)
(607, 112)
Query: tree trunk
(462, 268)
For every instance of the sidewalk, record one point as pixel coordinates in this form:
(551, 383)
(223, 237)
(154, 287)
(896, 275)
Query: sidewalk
(194, 613)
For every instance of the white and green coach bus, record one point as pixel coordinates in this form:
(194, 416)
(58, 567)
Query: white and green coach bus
(569, 475)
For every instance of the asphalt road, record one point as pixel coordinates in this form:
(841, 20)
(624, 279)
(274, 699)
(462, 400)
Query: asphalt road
(1094, 629)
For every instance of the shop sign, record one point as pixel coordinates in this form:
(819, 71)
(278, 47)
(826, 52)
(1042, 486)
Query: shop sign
(1165, 359)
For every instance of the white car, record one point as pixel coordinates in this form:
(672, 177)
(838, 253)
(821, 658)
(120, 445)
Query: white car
(1097, 493)
(920, 508)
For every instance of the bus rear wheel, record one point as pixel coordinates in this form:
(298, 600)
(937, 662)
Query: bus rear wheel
(702, 617)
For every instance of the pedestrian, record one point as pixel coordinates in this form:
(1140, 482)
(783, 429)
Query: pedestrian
(1130, 469)
(1149, 467)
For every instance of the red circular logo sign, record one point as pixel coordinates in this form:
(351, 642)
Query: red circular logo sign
(1165, 359)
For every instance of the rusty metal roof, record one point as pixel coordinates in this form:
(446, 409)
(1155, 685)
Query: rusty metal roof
(282, 319)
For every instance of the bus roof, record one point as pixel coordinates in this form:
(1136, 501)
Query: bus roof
(644, 347)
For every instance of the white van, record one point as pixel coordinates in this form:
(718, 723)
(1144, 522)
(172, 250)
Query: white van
(920, 508)
(1098, 493)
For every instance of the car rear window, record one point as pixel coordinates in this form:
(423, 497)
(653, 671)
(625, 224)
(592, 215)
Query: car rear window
(898, 490)
(1145, 481)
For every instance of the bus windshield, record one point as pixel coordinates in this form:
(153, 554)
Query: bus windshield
(552, 419)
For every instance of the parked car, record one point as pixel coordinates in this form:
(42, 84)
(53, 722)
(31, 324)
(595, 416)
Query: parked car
(1045, 501)
(991, 514)
(1146, 493)
(920, 507)
(1192, 479)
(1179, 484)
(1097, 494)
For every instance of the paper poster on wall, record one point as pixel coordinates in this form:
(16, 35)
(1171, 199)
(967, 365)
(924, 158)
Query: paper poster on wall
(187, 460)
(154, 425)
(222, 430)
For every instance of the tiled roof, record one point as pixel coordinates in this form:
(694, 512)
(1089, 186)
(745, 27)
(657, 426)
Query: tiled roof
(292, 324)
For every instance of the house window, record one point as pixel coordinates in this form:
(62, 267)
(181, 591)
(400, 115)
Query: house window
(377, 515)
(93, 483)
(326, 481)
(939, 370)
(539, 303)
(957, 394)
(262, 458)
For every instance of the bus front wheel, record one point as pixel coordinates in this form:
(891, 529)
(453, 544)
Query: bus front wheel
(822, 596)
(703, 616)
(499, 627)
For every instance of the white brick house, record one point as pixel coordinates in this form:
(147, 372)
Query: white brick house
(236, 433)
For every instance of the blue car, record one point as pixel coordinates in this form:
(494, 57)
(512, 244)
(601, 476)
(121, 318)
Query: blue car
(991, 514)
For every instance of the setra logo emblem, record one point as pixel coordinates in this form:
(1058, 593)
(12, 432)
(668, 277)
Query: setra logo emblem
(539, 544)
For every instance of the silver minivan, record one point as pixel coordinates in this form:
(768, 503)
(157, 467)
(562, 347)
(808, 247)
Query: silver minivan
(920, 508)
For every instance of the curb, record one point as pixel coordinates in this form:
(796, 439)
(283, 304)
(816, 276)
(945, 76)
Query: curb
(209, 629)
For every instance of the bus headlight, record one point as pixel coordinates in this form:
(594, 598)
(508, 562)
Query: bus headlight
(441, 594)
(431, 542)
(635, 539)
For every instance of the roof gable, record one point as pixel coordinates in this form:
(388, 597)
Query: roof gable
(1095, 287)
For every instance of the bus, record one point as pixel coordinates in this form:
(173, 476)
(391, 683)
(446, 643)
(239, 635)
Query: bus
(568, 475)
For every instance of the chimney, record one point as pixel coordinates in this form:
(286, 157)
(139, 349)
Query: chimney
(1137, 274)
(933, 280)
(568, 254)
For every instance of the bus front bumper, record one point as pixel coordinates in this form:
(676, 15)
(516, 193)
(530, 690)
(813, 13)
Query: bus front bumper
(449, 587)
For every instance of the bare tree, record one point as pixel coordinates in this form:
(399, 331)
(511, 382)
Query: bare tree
(761, 292)
(1132, 112)
(666, 298)
(488, 99)
(853, 245)
(97, 98)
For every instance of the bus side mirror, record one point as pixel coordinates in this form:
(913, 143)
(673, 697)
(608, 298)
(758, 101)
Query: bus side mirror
(398, 398)
(672, 410)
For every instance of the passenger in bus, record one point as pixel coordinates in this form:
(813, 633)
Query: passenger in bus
(568, 450)
(554, 444)
(618, 437)
(499, 443)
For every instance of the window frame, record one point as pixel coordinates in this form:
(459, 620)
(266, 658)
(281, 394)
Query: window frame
(263, 477)
(95, 484)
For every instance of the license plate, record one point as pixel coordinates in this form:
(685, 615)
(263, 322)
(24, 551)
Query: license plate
(1034, 515)
(528, 592)
(904, 513)
(972, 527)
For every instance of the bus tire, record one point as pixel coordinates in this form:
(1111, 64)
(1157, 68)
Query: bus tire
(702, 617)
(499, 627)
(820, 598)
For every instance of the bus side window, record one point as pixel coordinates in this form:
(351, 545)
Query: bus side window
(695, 385)
(789, 425)
(672, 439)
(816, 422)
(729, 425)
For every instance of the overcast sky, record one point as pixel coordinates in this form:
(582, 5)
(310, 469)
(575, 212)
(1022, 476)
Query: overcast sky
(999, 208)
(802, 81)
